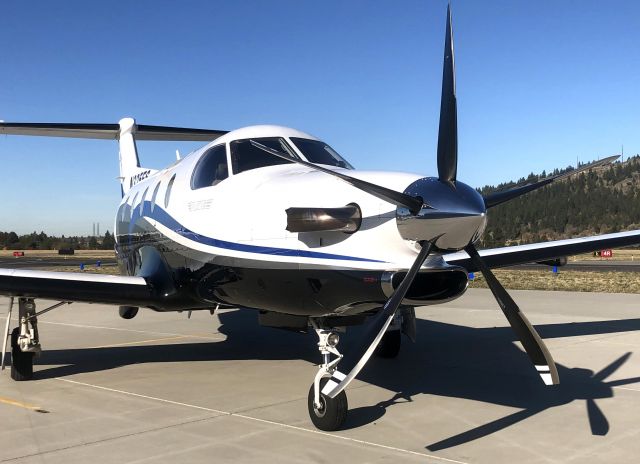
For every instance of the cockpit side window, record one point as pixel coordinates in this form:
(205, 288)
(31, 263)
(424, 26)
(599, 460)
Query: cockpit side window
(245, 156)
(211, 168)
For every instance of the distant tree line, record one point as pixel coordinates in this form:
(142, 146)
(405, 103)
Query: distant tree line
(42, 241)
(599, 201)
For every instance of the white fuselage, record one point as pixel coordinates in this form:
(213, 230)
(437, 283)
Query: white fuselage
(244, 216)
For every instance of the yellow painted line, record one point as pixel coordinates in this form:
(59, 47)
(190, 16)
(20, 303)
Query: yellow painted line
(140, 342)
(20, 404)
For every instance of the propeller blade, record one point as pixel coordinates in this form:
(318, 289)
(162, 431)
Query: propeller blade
(397, 198)
(496, 198)
(531, 341)
(448, 131)
(354, 363)
(597, 420)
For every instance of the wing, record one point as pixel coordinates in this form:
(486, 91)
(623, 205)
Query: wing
(508, 256)
(75, 286)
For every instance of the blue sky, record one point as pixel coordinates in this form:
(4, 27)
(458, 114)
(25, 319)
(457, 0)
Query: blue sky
(539, 84)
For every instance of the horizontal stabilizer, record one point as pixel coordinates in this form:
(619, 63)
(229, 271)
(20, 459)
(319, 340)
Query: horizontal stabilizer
(108, 131)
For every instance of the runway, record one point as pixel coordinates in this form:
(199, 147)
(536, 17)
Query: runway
(48, 262)
(164, 388)
(588, 266)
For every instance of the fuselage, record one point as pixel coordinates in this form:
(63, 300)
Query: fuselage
(228, 243)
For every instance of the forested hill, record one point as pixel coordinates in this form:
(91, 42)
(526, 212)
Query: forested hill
(602, 200)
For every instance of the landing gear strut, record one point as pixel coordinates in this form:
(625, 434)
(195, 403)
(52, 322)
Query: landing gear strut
(326, 413)
(25, 342)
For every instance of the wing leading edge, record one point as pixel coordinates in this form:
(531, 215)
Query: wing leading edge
(508, 256)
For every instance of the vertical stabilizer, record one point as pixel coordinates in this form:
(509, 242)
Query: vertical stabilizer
(129, 162)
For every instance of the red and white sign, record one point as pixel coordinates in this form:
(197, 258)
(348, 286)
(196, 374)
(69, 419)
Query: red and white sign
(606, 253)
(18, 253)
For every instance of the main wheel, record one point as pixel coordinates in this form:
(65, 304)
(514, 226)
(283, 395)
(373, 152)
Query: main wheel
(332, 411)
(389, 346)
(21, 362)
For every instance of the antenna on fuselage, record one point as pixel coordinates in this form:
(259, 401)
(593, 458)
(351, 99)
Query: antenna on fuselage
(178, 155)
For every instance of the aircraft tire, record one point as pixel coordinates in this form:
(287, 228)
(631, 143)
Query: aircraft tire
(21, 362)
(333, 413)
(389, 346)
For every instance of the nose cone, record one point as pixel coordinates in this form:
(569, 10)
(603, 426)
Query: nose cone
(455, 217)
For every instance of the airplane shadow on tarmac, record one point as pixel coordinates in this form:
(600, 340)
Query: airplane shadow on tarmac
(480, 364)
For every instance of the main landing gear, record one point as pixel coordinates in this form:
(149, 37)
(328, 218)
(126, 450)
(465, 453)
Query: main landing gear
(25, 342)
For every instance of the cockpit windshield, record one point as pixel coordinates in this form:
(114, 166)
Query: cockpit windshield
(320, 153)
(245, 156)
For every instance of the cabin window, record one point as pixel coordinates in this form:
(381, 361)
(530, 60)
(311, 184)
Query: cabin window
(167, 195)
(154, 196)
(211, 168)
(320, 153)
(245, 156)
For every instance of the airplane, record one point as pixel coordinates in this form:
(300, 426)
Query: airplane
(274, 220)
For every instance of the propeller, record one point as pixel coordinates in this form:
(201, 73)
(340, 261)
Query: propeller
(453, 220)
(356, 360)
(453, 205)
(531, 341)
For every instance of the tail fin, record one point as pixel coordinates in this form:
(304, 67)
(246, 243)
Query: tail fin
(130, 170)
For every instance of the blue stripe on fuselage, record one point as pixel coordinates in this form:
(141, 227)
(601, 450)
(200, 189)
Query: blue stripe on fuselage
(164, 218)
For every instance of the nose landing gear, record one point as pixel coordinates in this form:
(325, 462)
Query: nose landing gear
(327, 413)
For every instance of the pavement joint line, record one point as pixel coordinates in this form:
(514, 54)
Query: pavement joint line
(110, 438)
(139, 342)
(628, 389)
(82, 326)
(280, 403)
(265, 421)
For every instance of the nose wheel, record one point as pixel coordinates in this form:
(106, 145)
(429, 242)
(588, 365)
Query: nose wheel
(330, 413)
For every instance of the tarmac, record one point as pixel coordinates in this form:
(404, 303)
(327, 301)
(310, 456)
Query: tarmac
(165, 388)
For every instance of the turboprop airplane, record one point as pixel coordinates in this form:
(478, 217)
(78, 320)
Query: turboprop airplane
(272, 219)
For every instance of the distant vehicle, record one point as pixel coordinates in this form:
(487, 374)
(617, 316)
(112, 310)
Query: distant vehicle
(273, 219)
(557, 262)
